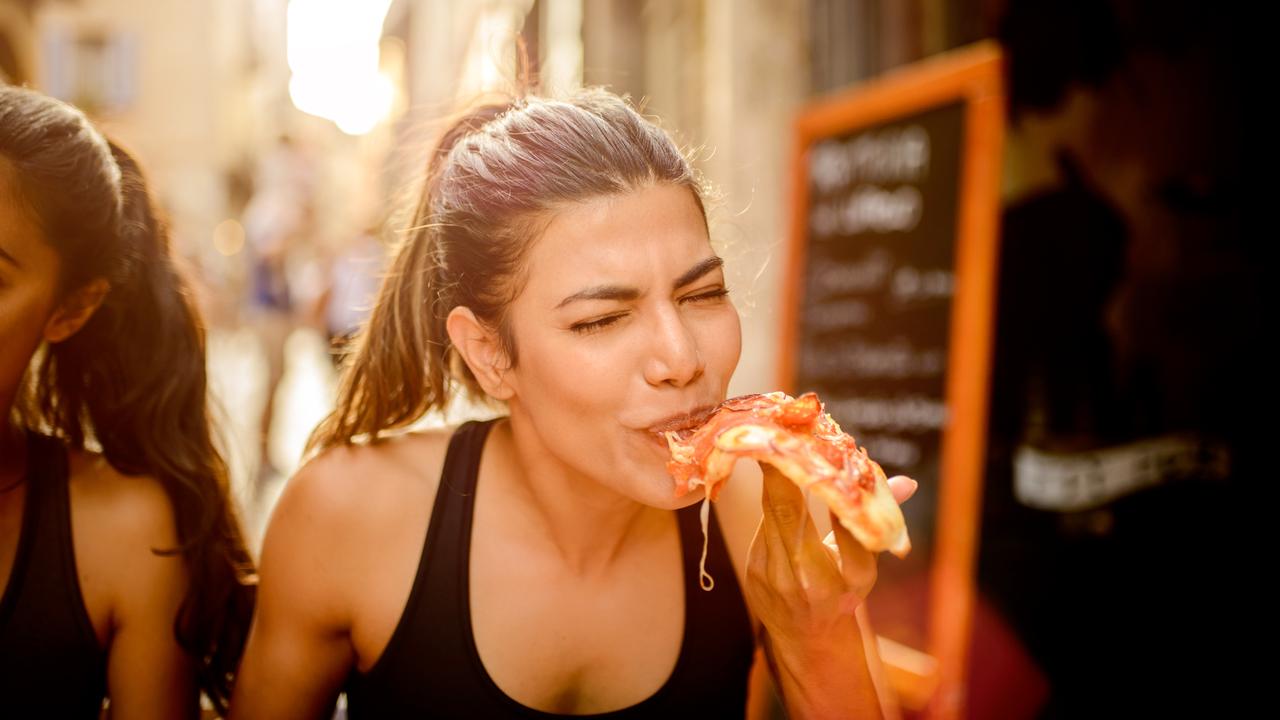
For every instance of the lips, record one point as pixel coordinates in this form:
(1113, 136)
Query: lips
(682, 420)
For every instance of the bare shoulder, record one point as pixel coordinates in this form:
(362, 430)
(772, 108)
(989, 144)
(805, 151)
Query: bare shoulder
(133, 511)
(346, 486)
(343, 518)
(347, 527)
(121, 524)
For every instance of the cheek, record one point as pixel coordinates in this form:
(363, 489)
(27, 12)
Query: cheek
(721, 343)
(571, 393)
(572, 381)
(23, 312)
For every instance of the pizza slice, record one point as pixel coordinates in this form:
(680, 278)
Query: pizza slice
(806, 445)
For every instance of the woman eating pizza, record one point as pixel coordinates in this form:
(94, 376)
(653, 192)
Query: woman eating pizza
(557, 261)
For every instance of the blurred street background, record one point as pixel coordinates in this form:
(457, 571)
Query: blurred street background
(280, 136)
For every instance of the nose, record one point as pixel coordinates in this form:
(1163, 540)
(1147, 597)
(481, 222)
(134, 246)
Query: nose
(673, 358)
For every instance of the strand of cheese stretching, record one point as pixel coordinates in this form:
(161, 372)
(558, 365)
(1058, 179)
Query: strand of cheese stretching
(806, 445)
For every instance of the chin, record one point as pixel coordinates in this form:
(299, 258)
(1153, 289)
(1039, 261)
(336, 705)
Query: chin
(652, 485)
(660, 492)
(684, 501)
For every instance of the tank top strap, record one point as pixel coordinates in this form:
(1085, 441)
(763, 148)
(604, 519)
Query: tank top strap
(423, 656)
(45, 565)
(462, 462)
(446, 555)
(51, 663)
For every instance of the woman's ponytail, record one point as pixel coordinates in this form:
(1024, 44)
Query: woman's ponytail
(402, 365)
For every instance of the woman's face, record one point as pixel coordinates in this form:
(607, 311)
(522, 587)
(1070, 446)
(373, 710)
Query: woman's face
(623, 324)
(28, 288)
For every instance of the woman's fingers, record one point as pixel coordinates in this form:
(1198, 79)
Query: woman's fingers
(857, 564)
(790, 561)
(795, 552)
(783, 505)
(902, 488)
(780, 526)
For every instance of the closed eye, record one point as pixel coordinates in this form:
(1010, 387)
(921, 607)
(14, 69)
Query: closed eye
(589, 326)
(712, 295)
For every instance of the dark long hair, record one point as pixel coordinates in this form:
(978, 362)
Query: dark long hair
(133, 378)
(497, 174)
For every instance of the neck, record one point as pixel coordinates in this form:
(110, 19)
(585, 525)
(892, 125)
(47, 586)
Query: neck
(586, 524)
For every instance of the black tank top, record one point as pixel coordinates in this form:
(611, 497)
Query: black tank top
(431, 668)
(50, 662)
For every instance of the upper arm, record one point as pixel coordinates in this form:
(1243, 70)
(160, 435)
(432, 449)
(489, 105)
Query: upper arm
(338, 558)
(121, 524)
(299, 648)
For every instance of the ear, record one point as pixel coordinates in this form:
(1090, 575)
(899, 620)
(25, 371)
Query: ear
(75, 310)
(481, 350)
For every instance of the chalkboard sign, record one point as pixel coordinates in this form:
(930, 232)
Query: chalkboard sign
(889, 313)
(879, 276)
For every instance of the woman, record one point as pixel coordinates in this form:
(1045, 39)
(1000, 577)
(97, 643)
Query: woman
(122, 567)
(558, 262)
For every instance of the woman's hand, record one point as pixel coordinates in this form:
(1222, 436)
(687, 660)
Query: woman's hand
(804, 592)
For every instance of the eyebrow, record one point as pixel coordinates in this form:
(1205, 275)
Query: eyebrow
(10, 258)
(697, 271)
(618, 292)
